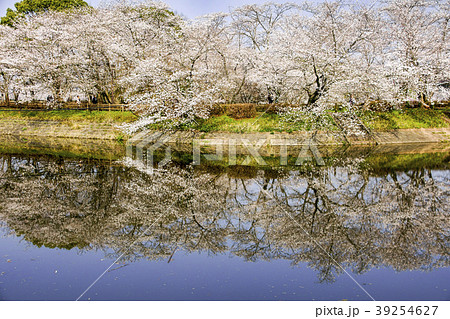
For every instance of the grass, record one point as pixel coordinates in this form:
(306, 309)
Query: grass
(115, 117)
(405, 119)
(261, 123)
(224, 123)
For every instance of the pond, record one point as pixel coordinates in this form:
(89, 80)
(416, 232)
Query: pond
(364, 225)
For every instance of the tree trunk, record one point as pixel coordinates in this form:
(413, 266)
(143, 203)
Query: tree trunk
(321, 86)
(7, 98)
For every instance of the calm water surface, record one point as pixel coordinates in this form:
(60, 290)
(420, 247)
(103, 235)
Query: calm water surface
(225, 233)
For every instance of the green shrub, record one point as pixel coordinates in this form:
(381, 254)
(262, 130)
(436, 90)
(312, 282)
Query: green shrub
(241, 111)
(218, 109)
(268, 108)
(276, 108)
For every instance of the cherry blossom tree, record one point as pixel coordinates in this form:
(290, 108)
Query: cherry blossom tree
(417, 39)
(316, 56)
(8, 63)
(186, 76)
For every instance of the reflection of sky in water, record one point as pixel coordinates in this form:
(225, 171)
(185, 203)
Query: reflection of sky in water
(284, 263)
(53, 274)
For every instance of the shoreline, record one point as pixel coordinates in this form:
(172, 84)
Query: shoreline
(108, 131)
(112, 151)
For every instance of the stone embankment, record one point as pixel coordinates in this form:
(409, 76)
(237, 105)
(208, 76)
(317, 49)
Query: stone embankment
(105, 131)
(44, 128)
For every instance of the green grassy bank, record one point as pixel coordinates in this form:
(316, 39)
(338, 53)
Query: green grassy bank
(113, 117)
(261, 122)
(406, 119)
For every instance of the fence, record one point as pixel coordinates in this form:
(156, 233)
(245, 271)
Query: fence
(45, 106)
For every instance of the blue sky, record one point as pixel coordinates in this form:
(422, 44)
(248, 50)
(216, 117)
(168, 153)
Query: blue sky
(189, 8)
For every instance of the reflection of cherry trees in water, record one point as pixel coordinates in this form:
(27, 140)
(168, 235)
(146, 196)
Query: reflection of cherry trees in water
(361, 221)
(57, 202)
(341, 214)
